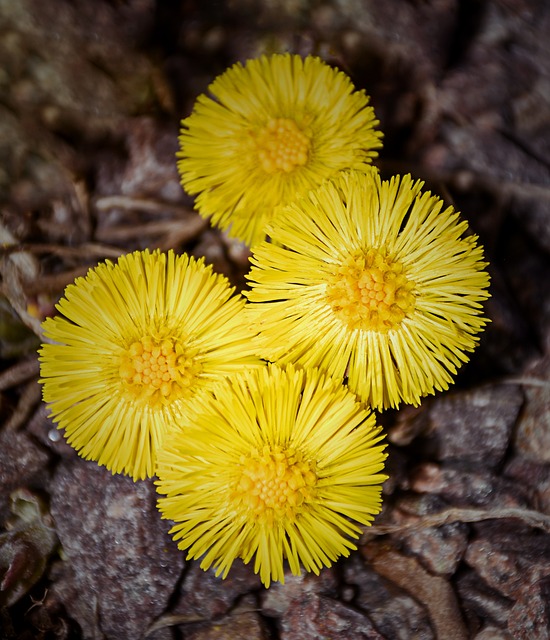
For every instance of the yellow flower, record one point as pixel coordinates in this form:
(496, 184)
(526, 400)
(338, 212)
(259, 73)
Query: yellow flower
(133, 342)
(279, 125)
(373, 281)
(273, 464)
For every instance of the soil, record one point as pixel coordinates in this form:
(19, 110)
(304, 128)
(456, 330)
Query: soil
(91, 96)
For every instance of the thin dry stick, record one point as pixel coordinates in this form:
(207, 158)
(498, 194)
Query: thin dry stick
(190, 227)
(527, 382)
(54, 283)
(29, 399)
(18, 373)
(139, 204)
(86, 250)
(172, 620)
(527, 516)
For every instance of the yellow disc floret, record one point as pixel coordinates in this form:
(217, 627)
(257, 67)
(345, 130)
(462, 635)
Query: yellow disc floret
(281, 146)
(161, 370)
(275, 483)
(370, 291)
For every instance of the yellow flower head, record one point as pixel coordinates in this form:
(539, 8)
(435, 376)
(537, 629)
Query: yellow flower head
(275, 463)
(277, 126)
(134, 341)
(373, 281)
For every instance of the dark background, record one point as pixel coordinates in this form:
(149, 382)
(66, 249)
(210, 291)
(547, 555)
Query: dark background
(91, 95)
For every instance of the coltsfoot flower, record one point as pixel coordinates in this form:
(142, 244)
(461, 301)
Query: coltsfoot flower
(373, 281)
(132, 343)
(275, 463)
(276, 126)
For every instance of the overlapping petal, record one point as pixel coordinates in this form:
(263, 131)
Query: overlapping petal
(277, 126)
(374, 282)
(274, 464)
(132, 343)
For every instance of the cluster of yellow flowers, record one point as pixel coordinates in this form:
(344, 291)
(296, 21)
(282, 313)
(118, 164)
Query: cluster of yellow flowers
(255, 413)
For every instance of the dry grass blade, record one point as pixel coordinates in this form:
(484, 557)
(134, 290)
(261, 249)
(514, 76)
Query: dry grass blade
(527, 516)
(29, 398)
(18, 373)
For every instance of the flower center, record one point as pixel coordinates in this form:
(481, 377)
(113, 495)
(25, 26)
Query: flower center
(281, 146)
(370, 291)
(275, 483)
(158, 370)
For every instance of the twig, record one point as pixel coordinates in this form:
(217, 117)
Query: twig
(172, 620)
(54, 283)
(139, 204)
(18, 373)
(185, 229)
(82, 251)
(530, 517)
(27, 401)
(527, 382)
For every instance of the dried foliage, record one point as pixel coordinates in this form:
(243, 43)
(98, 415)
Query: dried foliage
(91, 95)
